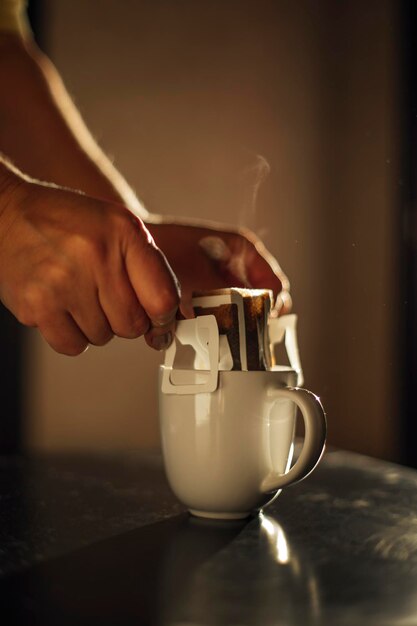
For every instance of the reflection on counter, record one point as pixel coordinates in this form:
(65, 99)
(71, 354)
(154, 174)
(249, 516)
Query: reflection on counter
(210, 567)
(279, 546)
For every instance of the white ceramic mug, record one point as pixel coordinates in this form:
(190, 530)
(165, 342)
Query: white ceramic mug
(228, 451)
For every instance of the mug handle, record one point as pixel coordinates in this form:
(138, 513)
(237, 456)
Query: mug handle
(314, 438)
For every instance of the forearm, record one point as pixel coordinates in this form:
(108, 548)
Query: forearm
(48, 139)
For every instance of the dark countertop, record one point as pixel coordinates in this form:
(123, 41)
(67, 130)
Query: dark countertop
(101, 540)
(52, 505)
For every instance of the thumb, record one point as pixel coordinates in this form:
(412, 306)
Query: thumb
(155, 285)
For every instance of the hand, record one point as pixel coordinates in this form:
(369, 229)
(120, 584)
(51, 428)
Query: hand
(206, 257)
(82, 270)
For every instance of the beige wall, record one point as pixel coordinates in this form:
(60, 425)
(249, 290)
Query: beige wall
(360, 187)
(185, 96)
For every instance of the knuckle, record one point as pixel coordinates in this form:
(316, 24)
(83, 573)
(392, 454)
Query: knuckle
(31, 305)
(57, 278)
(101, 339)
(134, 326)
(165, 303)
(43, 293)
(34, 297)
(139, 325)
(41, 296)
(123, 221)
(89, 248)
(131, 230)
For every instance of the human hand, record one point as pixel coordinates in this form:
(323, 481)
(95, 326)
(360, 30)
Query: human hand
(81, 270)
(204, 257)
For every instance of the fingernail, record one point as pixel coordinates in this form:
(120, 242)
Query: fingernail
(163, 320)
(162, 342)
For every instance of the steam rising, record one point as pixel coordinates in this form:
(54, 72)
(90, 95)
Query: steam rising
(234, 260)
(252, 178)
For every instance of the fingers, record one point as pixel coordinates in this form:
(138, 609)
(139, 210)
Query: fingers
(243, 260)
(94, 322)
(262, 268)
(160, 334)
(186, 305)
(90, 318)
(133, 291)
(63, 334)
(129, 296)
(155, 286)
(160, 337)
(128, 319)
(124, 313)
(264, 272)
(91, 322)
